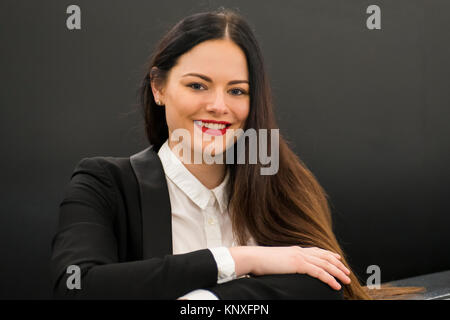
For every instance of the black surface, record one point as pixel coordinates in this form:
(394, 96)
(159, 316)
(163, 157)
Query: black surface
(437, 285)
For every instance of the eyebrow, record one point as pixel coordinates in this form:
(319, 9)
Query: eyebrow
(209, 79)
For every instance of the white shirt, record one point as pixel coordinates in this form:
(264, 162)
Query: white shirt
(200, 218)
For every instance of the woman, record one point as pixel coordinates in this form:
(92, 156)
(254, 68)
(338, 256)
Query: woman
(160, 225)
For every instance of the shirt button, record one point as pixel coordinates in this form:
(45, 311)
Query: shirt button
(211, 221)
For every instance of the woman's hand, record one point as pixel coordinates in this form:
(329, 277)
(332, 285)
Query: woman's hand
(318, 263)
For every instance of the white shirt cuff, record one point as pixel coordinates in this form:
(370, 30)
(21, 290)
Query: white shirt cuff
(200, 294)
(225, 264)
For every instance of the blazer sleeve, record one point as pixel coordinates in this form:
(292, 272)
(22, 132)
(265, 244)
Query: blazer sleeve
(277, 287)
(85, 237)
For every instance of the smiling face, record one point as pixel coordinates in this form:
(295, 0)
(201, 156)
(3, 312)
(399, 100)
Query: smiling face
(209, 83)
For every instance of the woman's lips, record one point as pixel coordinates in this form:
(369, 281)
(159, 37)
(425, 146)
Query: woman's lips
(213, 132)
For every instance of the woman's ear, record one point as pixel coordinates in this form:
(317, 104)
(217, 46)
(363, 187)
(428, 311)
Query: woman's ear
(157, 88)
(157, 95)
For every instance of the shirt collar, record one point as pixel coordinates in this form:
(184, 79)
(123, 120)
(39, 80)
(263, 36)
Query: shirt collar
(188, 183)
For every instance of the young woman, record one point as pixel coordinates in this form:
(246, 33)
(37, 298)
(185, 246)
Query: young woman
(159, 225)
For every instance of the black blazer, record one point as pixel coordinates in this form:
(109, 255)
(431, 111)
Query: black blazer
(115, 224)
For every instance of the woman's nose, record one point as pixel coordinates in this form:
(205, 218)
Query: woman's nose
(218, 105)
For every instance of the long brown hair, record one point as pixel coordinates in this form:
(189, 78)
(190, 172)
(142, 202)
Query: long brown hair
(288, 208)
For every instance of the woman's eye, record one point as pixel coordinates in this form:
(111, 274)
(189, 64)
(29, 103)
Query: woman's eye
(198, 86)
(242, 92)
(194, 85)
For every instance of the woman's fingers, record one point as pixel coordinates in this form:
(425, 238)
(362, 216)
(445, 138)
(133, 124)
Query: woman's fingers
(319, 273)
(330, 268)
(326, 251)
(331, 258)
(336, 262)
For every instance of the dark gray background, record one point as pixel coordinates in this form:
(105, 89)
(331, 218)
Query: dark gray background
(366, 110)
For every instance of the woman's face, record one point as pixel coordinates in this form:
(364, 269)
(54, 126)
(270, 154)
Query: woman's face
(209, 83)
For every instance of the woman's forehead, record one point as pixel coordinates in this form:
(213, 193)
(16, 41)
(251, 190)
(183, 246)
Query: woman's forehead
(218, 58)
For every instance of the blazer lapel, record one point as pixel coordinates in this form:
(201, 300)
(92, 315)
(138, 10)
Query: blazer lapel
(155, 203)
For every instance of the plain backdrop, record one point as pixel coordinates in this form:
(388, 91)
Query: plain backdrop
(366, 110)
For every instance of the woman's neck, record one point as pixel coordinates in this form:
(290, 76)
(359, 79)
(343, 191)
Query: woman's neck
(210, 175)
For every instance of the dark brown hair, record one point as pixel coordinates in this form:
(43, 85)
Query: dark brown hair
(288, 208)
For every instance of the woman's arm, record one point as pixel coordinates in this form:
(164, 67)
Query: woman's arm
(283, 273)
(156, 278)
(318, 263)
(85, 237)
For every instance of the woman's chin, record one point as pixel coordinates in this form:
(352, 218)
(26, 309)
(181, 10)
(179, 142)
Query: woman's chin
(207, 151)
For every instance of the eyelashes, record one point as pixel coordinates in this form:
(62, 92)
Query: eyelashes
(191, 85)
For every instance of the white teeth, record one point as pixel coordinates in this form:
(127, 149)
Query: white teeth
(216, 126)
